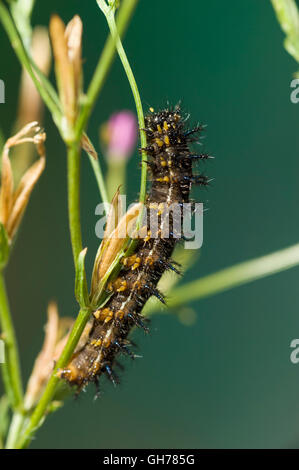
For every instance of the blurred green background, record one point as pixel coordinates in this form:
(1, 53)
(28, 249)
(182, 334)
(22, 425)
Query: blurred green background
(227, 381)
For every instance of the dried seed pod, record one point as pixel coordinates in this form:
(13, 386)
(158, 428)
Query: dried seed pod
(14, 202)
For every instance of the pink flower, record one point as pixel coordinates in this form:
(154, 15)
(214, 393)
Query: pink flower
(121, 135)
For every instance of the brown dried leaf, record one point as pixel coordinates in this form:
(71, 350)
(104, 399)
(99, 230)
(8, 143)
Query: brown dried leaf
(13, 204)
(41, 49)
(114, 243)
(111, 224)
(73, 34)
(6, 192)
(64, 68)
(87, 145)
(112, 218)
(22, 195)
(23, 135)
(56, 335)
(44, 361)
(117, 238)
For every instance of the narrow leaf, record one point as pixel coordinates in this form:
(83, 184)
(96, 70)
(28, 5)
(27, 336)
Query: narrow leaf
(80, 283)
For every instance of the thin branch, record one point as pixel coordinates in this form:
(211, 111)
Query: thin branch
(10, 368)
(25, 60)
(123, 18)
(100, 180)
(73, 175)
(235, 276)
(109, 12)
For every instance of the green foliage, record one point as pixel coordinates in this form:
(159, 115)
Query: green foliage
(81, 291)
(288, 16)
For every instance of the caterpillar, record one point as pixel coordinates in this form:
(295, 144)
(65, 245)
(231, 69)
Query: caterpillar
(170, 162)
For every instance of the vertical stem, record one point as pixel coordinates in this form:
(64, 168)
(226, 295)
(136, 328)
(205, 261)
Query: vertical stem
(10, 368)
(18, 46)
(125, 13)
(100, 180)
(73, 176)
(109, 13)
(14, 429)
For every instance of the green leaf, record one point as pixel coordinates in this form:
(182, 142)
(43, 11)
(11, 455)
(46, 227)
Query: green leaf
(4, 247)
(81, 291)
(288, 17)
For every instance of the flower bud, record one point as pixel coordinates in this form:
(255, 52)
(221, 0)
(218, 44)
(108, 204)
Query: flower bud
(67, 48)
(121, 135)
(13, 201)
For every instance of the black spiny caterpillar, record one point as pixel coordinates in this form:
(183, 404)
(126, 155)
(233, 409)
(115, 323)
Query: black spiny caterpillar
(170, 164)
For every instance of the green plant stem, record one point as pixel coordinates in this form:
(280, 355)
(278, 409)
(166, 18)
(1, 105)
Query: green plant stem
(73, 183)
(10, 368)
(124, 15)
(21, 11)
(40, 411)
(109, 13)
(235, 276)
(287, 14)
(14, 429)
(100, 179)
(25, 60)
(73, 177)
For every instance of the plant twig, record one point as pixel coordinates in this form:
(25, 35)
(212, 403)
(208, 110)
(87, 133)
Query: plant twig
(11, 367)
(73, 176)
(123, 18)
(14, 429)
(288, 17)
(100, 180)
(235, 276)
(109, 12)
(25, 60)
